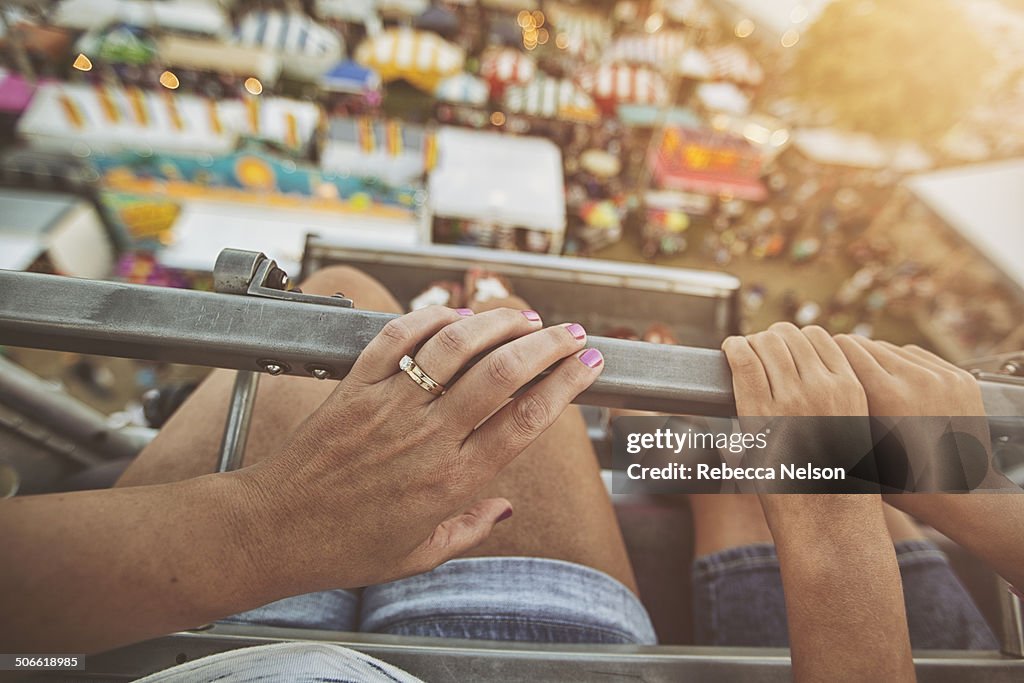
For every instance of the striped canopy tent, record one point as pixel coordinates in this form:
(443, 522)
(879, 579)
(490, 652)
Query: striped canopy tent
(463, 88)
(661, 49)
(307, 48)
(614, 84)
(586, 33)
(694, 64)
(552, 98)
(423, 59)
(733, 63)
(502, 66)
(350, 77)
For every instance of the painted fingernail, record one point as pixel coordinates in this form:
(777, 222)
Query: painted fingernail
(463, 311)
(504, 515)
(532, 316)
(591, 358)
(576, 330)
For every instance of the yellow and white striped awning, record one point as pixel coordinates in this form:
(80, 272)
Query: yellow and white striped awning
(420, 57)
(551, 98)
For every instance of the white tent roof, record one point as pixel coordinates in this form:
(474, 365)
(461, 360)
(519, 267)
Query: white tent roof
(191, 16)
(45, 123)
(514, 181)
(205, 227)
(985, 204)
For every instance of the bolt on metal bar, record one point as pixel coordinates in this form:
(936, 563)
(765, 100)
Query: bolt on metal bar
(236, 428)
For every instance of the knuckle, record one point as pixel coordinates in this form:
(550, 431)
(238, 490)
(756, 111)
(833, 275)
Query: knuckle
(504, 368)
(455, 339)
(746, 364)
(397, 331)
(531, 415)
(782, 327)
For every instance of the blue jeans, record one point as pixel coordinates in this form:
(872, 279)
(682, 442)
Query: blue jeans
(484, 598)
(738, 601)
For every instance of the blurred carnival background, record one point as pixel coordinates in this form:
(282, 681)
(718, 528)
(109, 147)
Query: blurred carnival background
(858, 164)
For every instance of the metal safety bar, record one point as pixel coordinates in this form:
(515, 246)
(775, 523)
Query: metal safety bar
(309, 339)
(433, 659)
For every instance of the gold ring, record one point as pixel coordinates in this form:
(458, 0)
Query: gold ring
(409, 367)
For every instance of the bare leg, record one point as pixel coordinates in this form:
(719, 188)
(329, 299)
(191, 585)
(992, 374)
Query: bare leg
(562, 510)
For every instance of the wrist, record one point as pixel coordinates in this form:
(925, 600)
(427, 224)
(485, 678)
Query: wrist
(253, 517)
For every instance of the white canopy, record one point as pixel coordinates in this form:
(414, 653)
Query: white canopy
(190, 16)
(48, 123)
(509, 180)
(724, 97)
(985, 204)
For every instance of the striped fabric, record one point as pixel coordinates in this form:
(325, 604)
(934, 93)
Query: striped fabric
(507, 66)
(291, 32)
(587, 33)
(661, 49)
(421, 58)
(733, 63)
(463, 89)
(551, 98)
(624, 84)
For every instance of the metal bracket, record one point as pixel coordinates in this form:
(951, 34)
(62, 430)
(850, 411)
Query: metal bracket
(252, 273)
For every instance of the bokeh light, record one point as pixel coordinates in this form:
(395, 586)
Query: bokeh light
(169, 80)
(253, 86)
(82, 63)
(744, 27)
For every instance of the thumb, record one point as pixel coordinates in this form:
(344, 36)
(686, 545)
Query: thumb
(461, 533)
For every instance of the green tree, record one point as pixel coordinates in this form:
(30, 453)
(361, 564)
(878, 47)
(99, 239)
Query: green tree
(894, 68)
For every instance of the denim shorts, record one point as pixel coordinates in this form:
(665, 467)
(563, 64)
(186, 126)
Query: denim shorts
(738, 600)
(487, 598)
(524, 599)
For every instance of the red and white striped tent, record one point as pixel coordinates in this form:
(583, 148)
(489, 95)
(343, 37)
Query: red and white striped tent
(502, 66)
(733, 63)
(552, 98)
(661, 49)
(614, 84)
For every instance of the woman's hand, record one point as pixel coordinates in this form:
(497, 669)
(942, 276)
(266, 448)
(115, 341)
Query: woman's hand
(379, 483)
(797, 387)
(834, 550)
(930, 414)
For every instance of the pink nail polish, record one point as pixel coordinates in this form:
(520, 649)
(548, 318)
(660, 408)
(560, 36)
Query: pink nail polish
(532, 316)
(463, 311)
(591, 358)
(504, 515)
(576, 330)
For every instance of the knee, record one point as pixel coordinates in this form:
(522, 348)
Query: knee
(368, 293)
(335, 279)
